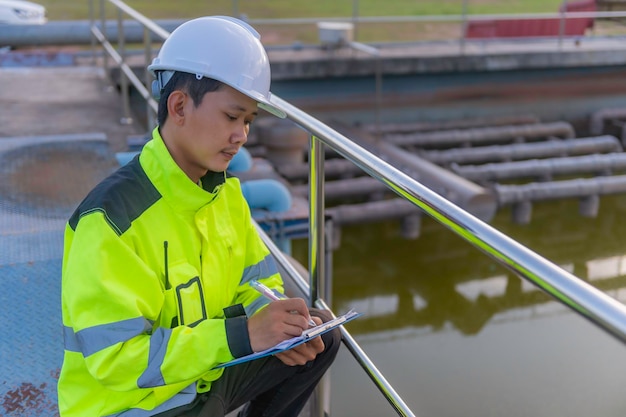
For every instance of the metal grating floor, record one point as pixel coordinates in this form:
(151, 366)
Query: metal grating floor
(41, 185)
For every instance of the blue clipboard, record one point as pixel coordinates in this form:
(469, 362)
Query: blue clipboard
(295, 341)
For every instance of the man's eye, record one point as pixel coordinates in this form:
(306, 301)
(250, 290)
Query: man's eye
(231, 117)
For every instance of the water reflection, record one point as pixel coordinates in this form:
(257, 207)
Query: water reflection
(458, 335)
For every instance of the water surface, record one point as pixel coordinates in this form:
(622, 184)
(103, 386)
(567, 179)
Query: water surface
(456, 334)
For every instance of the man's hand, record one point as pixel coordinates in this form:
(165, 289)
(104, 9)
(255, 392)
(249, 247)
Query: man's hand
(305, 352)
(280, 320)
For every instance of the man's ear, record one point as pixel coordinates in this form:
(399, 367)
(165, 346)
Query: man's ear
(176, 106)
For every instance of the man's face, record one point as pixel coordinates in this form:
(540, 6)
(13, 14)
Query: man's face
(212, 133)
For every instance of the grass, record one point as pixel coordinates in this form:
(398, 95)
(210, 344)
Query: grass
(285, 34)
(257, 9)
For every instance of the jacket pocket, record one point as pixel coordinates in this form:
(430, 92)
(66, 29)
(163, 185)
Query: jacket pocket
(189, 295)
(191, 307)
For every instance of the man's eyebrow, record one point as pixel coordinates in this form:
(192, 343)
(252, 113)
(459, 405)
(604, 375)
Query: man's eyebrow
(242, 109)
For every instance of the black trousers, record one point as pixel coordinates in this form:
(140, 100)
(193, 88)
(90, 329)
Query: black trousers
(266, 386)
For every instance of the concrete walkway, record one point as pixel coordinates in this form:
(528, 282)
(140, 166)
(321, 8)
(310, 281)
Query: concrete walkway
(61, 100)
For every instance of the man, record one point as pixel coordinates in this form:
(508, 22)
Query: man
(159, 256)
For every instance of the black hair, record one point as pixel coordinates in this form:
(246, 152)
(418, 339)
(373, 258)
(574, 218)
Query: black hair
(184, 81)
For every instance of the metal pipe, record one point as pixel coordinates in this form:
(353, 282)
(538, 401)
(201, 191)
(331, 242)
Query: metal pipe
(453, 124)
(353, 187)
(348, 214)
(334, 168)
(542, 191)
(483, 135)
(598, 118)
(542, 168)
(550, 148)
(581, 297)
(77, 32)
(468, 195)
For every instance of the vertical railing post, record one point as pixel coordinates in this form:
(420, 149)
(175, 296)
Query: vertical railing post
(379, 94)
(92, 37)
(103, 29)
(147, 40)
(562, 23)
(121, 43)
(355, 18)
(316, 218)
(463, 26)
(235, 8)
(378, 79)
(317, 241)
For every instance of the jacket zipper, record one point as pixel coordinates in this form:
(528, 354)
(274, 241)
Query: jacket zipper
(167, 272)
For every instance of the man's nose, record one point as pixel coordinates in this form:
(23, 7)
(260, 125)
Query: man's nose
(240, 135)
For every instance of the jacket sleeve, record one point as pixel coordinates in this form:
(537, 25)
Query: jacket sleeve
(111, 300)
(260, 265)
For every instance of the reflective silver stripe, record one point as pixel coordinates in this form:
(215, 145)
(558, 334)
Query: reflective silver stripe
(69, 340)
(263, 269)
(255, 305)
(184, 397)
(93, 339)
(152, 376)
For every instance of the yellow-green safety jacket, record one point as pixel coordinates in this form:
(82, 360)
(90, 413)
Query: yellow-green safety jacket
(151, 260)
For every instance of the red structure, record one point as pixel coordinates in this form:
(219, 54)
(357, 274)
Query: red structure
(520, 28)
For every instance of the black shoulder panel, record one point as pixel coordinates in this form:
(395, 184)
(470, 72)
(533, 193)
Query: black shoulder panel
(122, 197)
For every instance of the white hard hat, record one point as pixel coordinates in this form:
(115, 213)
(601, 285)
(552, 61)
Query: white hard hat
(223, 48)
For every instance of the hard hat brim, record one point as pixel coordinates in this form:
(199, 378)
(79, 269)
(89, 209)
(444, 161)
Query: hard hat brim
(273, 109)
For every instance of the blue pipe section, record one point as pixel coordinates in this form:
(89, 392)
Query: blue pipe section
(241, 162)
(266, 194)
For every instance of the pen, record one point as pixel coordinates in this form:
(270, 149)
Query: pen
(271, 295)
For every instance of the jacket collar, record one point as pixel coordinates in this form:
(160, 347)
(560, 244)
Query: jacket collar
(170, 180)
